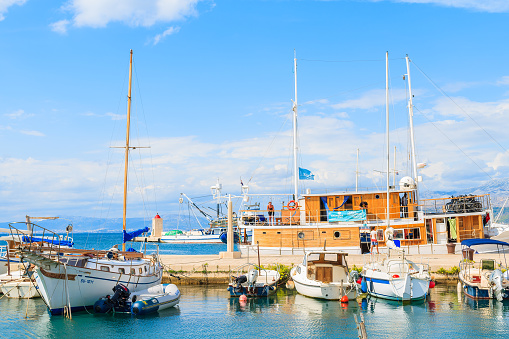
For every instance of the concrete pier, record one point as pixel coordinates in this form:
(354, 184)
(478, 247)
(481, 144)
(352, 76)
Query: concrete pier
(210, 269)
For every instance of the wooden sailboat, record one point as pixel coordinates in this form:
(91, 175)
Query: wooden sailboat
(72, 280)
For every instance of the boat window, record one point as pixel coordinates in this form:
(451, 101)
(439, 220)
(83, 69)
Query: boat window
(105, 268)
(337, 234)
(121, 270)
(407, 233)
(140, 270)
(488, 265)
(133, 271)
(314, 257)
(145, 269)
(331, 257)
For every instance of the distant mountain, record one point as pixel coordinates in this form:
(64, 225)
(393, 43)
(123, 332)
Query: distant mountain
(106, 225)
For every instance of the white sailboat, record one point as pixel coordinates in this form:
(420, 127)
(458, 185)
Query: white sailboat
(395, 278)
(71, 280)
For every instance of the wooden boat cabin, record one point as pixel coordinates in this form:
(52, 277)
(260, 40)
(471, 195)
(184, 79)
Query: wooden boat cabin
(344, 220)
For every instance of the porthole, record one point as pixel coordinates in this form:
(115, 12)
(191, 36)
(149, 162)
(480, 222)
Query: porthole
(377, 196)
(298, 269)
(337, 234)
(300, 235)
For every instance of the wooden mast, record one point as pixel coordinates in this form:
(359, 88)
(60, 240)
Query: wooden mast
(127, 143)
(387, 130)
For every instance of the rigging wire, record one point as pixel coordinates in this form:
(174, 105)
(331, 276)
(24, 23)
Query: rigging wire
(347, 61)
(445, 135)
(461, 108)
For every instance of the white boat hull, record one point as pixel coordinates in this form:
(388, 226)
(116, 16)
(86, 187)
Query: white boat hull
(20, 290)
(403, 288)
(187, 239)
(318, 289)
(78, 288)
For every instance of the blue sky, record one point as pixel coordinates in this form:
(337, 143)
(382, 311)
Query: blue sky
(212, 97)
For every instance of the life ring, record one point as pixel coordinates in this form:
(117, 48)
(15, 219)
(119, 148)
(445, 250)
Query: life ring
(292, 205)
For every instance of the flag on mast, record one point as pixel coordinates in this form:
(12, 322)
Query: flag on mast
(305, 174)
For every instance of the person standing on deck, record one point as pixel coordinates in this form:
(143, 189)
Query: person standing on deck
(374, 240)
(404, 206)
(270, 209)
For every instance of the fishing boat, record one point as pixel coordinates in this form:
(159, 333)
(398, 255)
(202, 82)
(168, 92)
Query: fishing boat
(324, 275)
(344, 219)
(150, 300)
(252, 281)
(71, 279)
(488, 278)
(215, 234)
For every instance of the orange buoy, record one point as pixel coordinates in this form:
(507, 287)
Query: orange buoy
(243, 298)
(344, 299)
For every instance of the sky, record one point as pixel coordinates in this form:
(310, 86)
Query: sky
(212, 98)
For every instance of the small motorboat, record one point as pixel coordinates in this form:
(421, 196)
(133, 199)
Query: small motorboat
(147, 301)
(324, 275)
(258, 282)
(395, 277)
(486, 279)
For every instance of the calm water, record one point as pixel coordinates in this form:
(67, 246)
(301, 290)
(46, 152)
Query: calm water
(208, 312)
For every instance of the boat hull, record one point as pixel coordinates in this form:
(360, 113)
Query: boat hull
(254, 291)
(78, 288)
(324, 291)
(381, 286)
(20, 290)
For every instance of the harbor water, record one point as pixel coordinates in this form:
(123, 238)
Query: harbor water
(207, 311)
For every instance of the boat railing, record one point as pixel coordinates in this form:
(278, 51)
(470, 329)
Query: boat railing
(34, 240)
(459, 204)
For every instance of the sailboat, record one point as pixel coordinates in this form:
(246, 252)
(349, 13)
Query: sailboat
(72, 280)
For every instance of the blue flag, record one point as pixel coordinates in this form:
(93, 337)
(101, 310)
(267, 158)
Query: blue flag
(305, 174)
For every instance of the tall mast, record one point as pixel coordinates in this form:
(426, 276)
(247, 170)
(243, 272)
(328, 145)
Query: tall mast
(127, 142)
(357, 173)
(295, 147)
(412, 138)
(387, 127)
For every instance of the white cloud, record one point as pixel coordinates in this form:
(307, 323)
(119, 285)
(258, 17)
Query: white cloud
(491, 6)
(169, 31)
(371, 99)
(19, 114)
(99, 13)
(32, 133)
(5, 4)
(60, 26)
(504, 80)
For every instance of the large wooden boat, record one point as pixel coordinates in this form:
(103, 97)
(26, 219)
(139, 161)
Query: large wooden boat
(343, 220)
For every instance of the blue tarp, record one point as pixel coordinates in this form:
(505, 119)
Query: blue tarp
(346, 215)
(474, 242)
(49, 241)
(131, 235)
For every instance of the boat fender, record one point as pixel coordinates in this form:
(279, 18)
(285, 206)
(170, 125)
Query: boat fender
(431, 284)
(395, 276)
(344, 299)
(364, 285)
(292, 205)
(243, 298)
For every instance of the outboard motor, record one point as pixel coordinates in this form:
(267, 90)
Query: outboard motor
(118, 301)
(239, 281)
(496, 281)
(252, 276)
